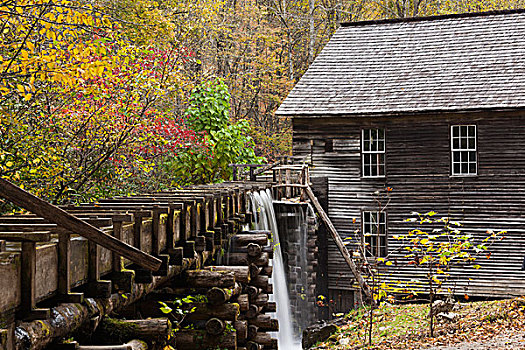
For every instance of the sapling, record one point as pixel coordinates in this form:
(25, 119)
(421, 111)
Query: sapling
(443, 249)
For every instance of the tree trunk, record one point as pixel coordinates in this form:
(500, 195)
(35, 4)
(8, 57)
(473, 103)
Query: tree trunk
(241, 327)
(253, 292)
(253, 311)
(242, 273)
(243, 301)
(132, 345)
(243, 239)
(191, 339)
(218, 296)
(266, 340)
(252, 331)
(208, 279)
(253, 346)
(120, 331)
(242, 259)
(204, 311)
(265, 323)
(267, 271)
(254, 270)
(214, 326)
(260, 282)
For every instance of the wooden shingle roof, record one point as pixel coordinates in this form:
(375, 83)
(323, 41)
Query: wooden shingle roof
(390, 67)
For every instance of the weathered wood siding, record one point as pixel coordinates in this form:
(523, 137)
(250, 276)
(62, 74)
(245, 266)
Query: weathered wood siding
(418, 169)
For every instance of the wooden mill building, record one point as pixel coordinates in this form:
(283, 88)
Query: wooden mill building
(433, 108)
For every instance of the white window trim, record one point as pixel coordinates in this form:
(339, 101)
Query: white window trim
(452, 149)
(363, 152)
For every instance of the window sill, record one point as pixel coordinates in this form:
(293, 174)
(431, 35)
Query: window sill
(464, 175)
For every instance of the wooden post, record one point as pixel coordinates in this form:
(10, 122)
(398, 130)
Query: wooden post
(155, 245)
(64, 275)
(218, 210)
(71, 223)
(172, 234)
(95, 287)
(118, 221)
(210, 212)
(28, 269)
(93, 266)
(141, 275)
(234, 173)
(288, 177)
(28, 310)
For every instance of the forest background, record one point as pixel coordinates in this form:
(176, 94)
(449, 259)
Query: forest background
(107, 97)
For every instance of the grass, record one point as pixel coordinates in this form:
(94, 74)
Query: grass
(406, 326)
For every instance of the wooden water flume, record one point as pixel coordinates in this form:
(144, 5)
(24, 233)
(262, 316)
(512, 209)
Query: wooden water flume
(71, 284)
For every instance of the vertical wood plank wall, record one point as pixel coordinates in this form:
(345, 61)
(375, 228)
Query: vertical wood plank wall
(418, 170)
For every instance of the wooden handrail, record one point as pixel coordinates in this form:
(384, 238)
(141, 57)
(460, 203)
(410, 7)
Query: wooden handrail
(73, 224)
(266, 167)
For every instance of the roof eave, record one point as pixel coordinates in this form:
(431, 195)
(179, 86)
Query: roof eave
(400, 113)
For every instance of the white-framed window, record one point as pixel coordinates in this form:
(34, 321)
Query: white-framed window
(464, 149)
(374, 233)
(373, 152)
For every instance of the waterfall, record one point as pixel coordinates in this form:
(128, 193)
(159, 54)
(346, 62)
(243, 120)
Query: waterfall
(262, 205)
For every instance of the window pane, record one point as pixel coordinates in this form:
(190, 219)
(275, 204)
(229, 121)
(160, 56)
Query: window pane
(463, 130)
(471, 143)
(456, 168)
(472, 168)
(471, 131)
(464, 168)
(463, 143)
(472, 156)
(455, 143)
(381, 146)
(455, 131)
(366, 171)
(456, 157)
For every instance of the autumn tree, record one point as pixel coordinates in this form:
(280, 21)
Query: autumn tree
(83, 106)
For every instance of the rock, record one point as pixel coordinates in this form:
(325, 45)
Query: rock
(441, 306)
(318, 332)
(448, 316)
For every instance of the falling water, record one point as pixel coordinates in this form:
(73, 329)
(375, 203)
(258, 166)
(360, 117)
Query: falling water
(263, 208)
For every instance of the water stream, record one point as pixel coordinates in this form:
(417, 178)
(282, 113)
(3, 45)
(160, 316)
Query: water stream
(264, 219)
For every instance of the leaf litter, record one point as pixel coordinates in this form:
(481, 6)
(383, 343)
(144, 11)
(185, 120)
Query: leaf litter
(496, 324)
